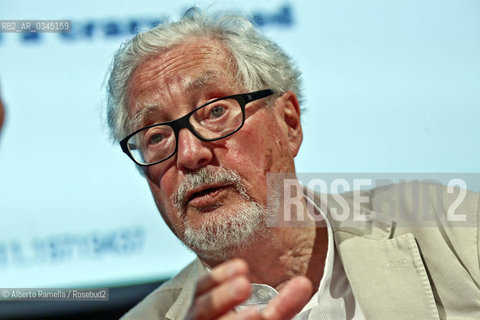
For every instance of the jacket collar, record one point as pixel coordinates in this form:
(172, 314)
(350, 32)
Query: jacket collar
(386, 273)
(179, 309)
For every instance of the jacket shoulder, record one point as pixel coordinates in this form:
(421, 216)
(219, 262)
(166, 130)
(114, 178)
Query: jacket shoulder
(413, 204)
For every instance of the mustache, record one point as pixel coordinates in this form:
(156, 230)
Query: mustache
(205, 176)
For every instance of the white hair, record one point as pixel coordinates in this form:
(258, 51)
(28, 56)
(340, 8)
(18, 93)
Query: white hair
(258, 62)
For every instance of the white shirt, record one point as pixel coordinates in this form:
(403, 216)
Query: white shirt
(334, 298)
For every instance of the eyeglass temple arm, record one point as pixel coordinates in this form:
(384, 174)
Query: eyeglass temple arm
(258, 95)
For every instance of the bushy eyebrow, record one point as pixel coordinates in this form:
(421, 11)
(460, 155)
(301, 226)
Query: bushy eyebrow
(200, 82)
(148, 108)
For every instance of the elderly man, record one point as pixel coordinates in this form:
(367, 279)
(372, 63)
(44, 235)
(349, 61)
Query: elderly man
(207, 109)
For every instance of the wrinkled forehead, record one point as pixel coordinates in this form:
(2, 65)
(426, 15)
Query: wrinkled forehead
(180, 71)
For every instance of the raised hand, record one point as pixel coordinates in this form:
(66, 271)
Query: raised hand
(227, 286)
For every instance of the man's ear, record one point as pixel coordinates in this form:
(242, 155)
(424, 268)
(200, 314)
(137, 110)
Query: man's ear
(289, 113)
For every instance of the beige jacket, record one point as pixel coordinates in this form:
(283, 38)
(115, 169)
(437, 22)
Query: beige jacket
(398, 267)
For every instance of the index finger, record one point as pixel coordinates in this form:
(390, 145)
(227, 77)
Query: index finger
(221, 273)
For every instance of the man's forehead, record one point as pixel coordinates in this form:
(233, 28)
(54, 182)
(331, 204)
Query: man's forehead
(181, 84)
(179, 64)
(185, 85)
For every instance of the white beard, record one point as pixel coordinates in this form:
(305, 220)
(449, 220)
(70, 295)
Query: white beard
(224, 232)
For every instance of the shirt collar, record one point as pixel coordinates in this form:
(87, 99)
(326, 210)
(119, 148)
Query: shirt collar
(328, 267)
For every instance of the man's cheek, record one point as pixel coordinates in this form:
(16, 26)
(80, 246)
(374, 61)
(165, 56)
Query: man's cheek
(168, 212)
(160, 180)
(158, 195)
(238, 156)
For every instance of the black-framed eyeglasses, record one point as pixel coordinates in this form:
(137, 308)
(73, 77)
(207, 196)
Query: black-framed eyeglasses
(212, 121)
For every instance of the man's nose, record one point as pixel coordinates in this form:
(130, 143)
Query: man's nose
(192, 153)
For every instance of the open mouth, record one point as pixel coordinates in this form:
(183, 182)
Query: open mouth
(207, 197)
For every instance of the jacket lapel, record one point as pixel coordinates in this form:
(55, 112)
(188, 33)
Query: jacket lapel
(387, 275)
(179, 309)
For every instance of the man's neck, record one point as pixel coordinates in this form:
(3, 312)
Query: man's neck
(297, 251)
(285, 253)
